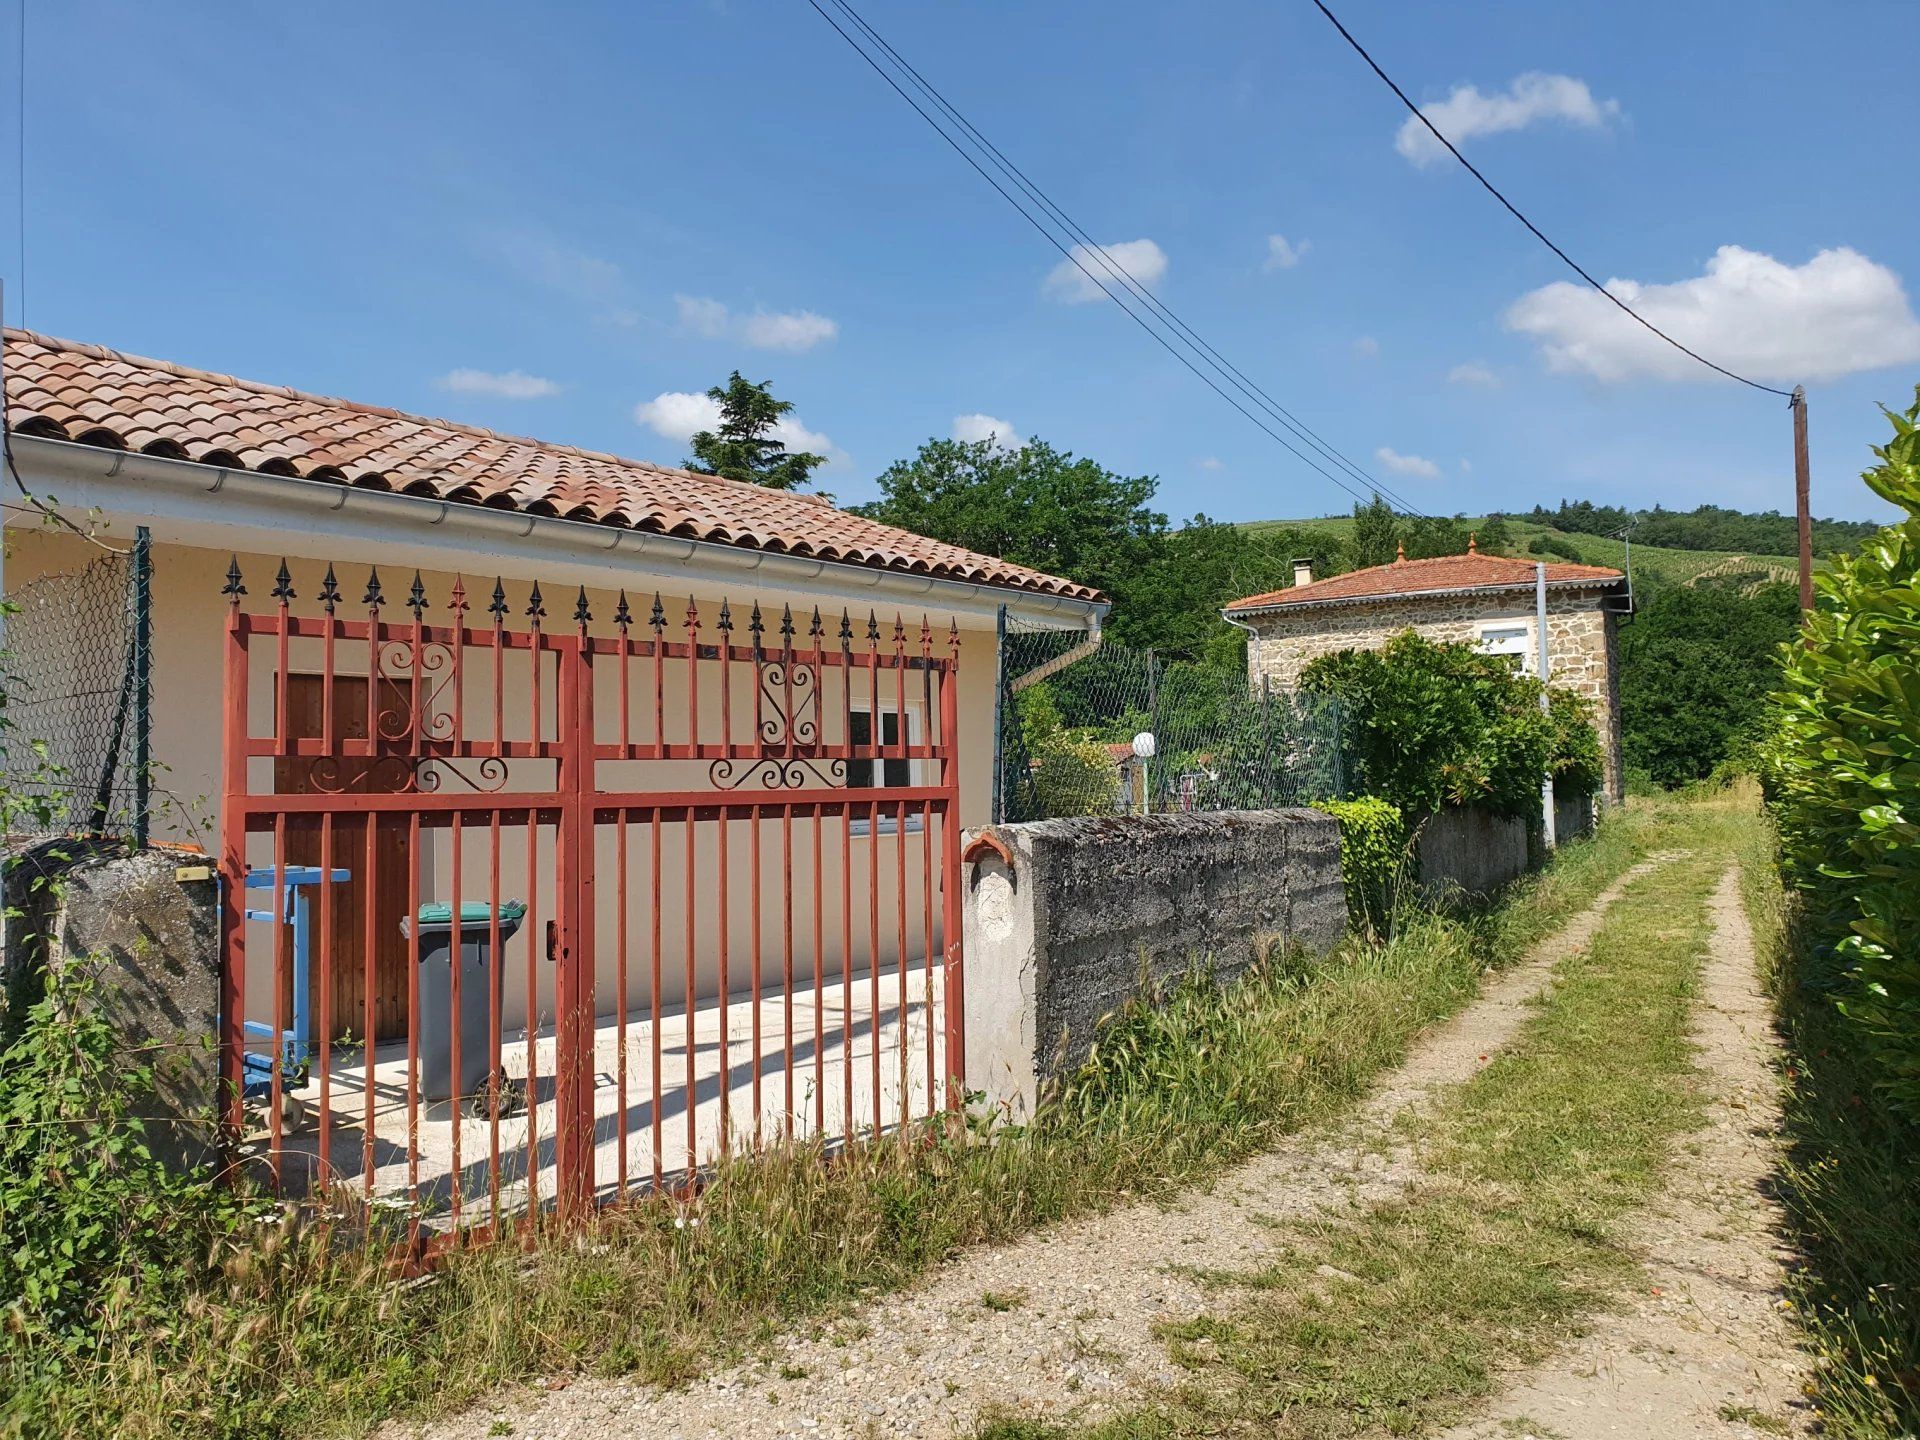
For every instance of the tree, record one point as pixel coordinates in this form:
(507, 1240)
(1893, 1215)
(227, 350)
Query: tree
(1426, 725)
(1696, 666)
(1376, 533)
(1035, 506)
(1205, 565)
(745, 447)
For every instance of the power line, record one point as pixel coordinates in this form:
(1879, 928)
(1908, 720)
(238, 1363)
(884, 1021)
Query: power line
(1073, 253)
(1514, 211)
(1237, 377)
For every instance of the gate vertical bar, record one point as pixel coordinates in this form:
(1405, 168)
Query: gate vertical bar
(233, 872)
(955, 975)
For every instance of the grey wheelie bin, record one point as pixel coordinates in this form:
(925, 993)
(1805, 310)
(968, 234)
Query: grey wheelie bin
(469, 944)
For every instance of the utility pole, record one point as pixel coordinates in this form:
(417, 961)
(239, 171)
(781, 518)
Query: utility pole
(1546, 705)
(1802, 506)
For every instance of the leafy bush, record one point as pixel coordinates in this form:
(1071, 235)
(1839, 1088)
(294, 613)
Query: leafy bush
(1843, 772)
(1073, 775)
(1574, 759)
(1373, 858)
(99, 1231)
(1427, 725)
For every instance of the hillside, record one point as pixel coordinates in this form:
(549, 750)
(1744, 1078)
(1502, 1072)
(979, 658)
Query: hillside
(1534, 539)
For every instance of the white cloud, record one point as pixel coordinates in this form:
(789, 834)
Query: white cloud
(1838, 314)
(1473, 372)
(1210, 462)
(512, 385)
(794, 330)
(561, 267)
(1466, 466)
(1283, 254)
(973, 428)
(1366, 347)
(679, 415)
(705, 318)
(1407, 464)
(797, 330)
(1531, 98)
(1145, 261)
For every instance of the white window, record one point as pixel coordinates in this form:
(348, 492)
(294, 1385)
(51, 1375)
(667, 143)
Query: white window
(888, 773)
(1511, 640)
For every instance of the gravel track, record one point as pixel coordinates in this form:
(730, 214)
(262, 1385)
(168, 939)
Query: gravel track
(1069, 1332)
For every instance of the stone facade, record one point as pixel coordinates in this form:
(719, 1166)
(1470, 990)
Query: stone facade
(1583, 648)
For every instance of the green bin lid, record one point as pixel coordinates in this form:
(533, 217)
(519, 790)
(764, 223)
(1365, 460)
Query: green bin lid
(474, 912)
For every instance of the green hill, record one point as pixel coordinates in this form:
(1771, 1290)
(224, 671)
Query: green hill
(1534, 540)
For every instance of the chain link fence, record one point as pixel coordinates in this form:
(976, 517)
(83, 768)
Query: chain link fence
(1070, 714)
(75, 708)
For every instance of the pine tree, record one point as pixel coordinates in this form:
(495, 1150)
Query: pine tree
(744, 447)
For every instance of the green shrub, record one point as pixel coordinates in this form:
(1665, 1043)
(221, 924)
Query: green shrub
(1073, 775)
(1427, 725)
(1842, 770)
(1373, 858)
(99, 1231)
(1575, 757)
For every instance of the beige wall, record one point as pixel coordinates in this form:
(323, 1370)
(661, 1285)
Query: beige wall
(1582, 643)
(189, 636)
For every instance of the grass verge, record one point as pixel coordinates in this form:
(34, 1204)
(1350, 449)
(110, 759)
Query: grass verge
(293, 1333)
(1396, 1319)
(1850, 1187)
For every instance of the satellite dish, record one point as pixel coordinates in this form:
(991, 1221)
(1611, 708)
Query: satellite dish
(1143, 745)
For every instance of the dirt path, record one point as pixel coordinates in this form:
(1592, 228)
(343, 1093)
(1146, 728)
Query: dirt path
(1702, 1348)
(1060, 1324)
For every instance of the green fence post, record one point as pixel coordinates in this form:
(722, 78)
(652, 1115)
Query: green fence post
(142, 661)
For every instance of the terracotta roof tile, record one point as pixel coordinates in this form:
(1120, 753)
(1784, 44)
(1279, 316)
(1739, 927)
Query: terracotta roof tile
(1427, 577)
(67, 390)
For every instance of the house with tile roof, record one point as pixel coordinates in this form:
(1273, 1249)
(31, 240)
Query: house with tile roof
(1488, 601)
(235, 477)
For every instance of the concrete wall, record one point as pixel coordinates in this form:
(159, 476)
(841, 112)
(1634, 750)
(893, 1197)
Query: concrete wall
(1582, 644)
(1471, 850)
(149, 941)
(1572, 816)
(1066, 919)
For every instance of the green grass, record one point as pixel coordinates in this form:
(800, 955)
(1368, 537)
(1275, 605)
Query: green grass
(303, 1336)
(1673, 566)
(1851, 1190)
(1512, 1237)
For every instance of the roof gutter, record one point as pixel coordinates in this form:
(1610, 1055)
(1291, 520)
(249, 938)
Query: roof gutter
(314, 518)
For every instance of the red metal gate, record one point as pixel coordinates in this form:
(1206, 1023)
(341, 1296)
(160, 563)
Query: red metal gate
(682, 878)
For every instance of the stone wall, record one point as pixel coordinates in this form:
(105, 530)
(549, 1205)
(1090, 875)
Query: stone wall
(1582, 643)
(1068, 919)
(150, 942)
(1471, 850)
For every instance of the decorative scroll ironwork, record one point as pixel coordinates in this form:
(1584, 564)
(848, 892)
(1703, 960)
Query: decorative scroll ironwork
(789, 705)
(415, 716)
(403, 774)
(776, 772)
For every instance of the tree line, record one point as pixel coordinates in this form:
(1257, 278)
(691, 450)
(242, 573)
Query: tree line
(1696, 663)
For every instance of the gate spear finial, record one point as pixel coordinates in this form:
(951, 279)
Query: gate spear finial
(330, 590)
(233, 587)
(283, 583)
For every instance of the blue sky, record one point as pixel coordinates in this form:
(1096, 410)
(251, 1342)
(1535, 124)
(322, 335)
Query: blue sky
(545, 219)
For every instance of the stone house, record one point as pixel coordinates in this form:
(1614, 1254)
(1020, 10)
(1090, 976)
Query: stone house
(1484, 600)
